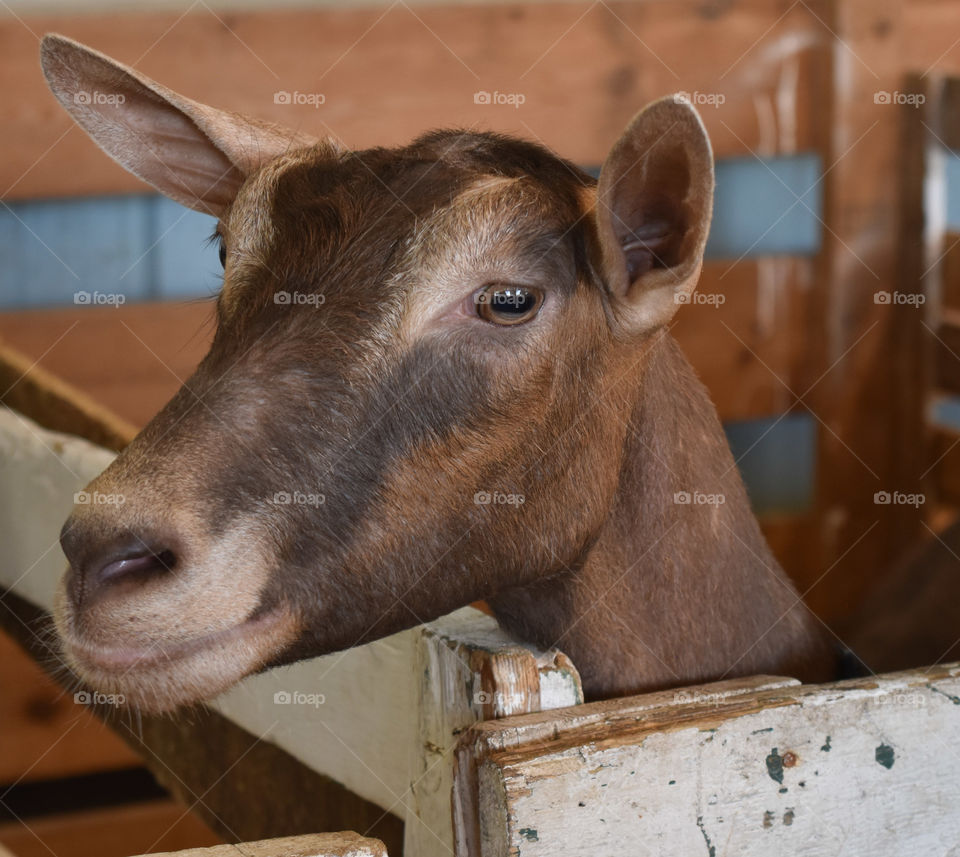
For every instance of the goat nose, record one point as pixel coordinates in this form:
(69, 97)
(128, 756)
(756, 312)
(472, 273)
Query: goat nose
(96, 566)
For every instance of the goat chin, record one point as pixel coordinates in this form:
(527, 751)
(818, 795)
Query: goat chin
(161, 678)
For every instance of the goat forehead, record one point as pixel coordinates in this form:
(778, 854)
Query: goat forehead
(361, 189)
(348, 226)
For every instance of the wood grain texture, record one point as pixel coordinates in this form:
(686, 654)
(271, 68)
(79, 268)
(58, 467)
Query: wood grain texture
(863, 368)
(388, 75)
(858, 768)
(128, 360)
(469, 671)
(45, 735)
(30, 389)
(109, 832)
(345, 844)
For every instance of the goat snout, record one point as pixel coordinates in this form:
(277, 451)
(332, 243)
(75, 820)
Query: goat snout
(157, 607)
(99, 563)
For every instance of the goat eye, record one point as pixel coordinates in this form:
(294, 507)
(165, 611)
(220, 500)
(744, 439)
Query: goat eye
(223, 254)
(508, 304)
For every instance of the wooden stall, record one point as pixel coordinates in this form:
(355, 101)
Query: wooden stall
(831, 333)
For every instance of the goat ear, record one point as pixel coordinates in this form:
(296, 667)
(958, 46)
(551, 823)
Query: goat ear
(654, 202)
(192, 153)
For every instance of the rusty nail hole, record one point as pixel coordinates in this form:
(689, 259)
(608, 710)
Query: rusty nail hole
(789, 760)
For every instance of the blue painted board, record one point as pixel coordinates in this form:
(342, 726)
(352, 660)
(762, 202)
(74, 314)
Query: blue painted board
(147, 247)
(777, 459)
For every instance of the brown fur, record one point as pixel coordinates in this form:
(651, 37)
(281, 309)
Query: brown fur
(396, 403)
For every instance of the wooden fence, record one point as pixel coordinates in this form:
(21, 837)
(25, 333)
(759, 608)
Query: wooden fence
(806, 334)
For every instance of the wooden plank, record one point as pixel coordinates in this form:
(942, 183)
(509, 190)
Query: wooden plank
(27, 387)
(387, 76)
(109, 832)
(929, 39)
(790, 538)
(469, 798)
(129, 360)
(930, 260)
(857, 768)
(912, 614)
(947, 126)
(45, 735)
(946, 356)
(344, 844)
(468, 672)
(945, 462)
(745, 334)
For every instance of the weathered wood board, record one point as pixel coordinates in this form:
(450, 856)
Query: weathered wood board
(864, 767)
(468, 672)
(116, 831)
(311, 845)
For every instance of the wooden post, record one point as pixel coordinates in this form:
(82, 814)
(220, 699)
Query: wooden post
(747, 768)
(866, 368)
(470, 671)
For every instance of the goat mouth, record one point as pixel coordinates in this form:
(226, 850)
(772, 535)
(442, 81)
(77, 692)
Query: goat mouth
(157, 655)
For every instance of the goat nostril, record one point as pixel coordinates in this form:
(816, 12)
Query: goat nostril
(136, 565)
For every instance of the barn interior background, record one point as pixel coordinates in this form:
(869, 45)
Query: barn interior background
(827, 326)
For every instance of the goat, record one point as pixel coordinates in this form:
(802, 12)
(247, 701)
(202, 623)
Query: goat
(441, 373)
